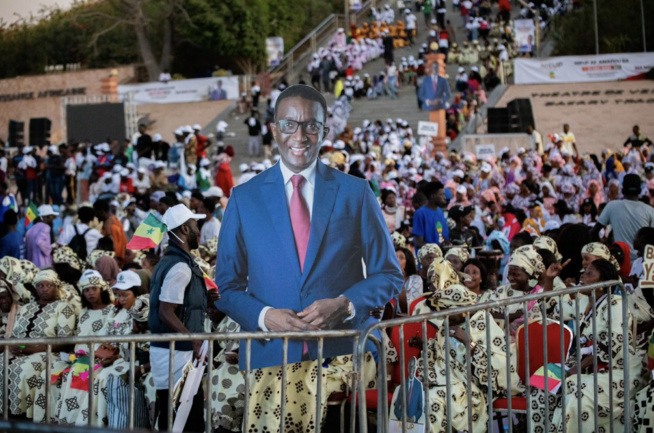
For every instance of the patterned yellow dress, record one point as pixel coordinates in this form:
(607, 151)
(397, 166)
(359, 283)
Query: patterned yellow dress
(609, 338)
(56, 319)
(72, 405)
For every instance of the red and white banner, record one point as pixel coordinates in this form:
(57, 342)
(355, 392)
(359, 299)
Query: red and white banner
(583, 69)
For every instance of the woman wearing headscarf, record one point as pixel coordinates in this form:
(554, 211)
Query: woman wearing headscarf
(460, 355)
(595, 251)
(46, 316)
(548, 244)
(115, 358)
(108, 268)
(594, 192)
(69, 268)
(457, 256)
(97, 308)
(9, 305)
(525, 270)
(19, 273)
(607, 343)
(426, 256)
(118, 385)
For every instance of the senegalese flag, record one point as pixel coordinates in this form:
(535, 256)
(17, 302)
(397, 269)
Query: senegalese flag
(148, 234)
(209, 282)
(31, 214)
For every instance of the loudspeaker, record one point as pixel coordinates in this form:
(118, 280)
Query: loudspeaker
(83, 122)
(520, 115)
(498, 121)
(16, 133)
(40, 131)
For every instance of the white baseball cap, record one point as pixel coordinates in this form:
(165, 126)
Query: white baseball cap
(197, 127)
(458, 173)
(159, 164)
(177, 215)
(157, 195)
(126, 280)
(46, 210)
(214, 191)
(157, 137)
(204, 162)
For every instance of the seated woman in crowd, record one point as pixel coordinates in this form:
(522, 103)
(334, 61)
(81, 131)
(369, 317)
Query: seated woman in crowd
(46, 316)
(456, 295)
(412, 288)
(115, 359)
(97, 309)
(610, 338)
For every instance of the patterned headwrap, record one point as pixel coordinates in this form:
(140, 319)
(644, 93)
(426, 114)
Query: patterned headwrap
(92, 278)
(427, 249)
(601, 251)
(461, 252)
(141, 309)
(64, 254)
(442, 275)
(399, 241)
(212, 246)
(547, 243)
(6, 286)
(95, 255)
(454, 296)
(18, 273)
(139, 256)
(527, 259)
(51, 277)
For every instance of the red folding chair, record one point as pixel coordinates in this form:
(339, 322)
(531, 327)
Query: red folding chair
(414, 304)
(536, 358)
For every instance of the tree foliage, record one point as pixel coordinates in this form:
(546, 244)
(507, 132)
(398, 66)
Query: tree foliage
(188, 37)
(619, 25)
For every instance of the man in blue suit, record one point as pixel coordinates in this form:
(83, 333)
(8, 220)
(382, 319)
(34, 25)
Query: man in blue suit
(294, 240)
(434, 91)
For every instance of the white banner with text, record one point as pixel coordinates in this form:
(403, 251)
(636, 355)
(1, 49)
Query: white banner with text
(583, 69)
(194, 90)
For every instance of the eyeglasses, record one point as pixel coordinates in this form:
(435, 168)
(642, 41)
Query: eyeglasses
(310, 127)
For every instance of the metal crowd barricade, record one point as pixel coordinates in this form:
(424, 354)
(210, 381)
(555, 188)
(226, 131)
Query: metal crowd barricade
(132, 340)
(539, 302)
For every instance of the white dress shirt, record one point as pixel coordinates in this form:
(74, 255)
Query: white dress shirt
(308, 190)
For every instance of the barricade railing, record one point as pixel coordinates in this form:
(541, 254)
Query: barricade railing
(546, 304)
(172, 339)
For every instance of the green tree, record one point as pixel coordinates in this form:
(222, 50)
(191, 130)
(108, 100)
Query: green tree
(619, 25)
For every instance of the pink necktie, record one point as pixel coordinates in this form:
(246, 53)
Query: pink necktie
(300, 219)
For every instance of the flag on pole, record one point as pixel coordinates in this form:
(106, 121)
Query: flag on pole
(148, 234)
(209, 282)
(31, 214)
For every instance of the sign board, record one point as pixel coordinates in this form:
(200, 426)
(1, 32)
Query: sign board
(274, 51)
(648, 268)
(583, 69)
(195, 90)
(428, 128)
(483, 151)
(525, 38)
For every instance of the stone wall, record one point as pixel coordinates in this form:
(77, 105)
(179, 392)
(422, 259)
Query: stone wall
(23, 98)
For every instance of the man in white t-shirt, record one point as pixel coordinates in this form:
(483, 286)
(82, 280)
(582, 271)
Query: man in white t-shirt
(211, 225)
(410, 20)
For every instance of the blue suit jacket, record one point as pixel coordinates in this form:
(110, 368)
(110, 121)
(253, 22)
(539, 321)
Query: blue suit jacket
(427, 92)
(257, 264)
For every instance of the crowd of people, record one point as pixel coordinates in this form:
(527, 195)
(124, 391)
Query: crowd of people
(465, 231)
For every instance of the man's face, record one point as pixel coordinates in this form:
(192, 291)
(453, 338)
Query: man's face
(434, 68)
(566, 128)
(193, 236)
(298, 150)
(439, 198)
